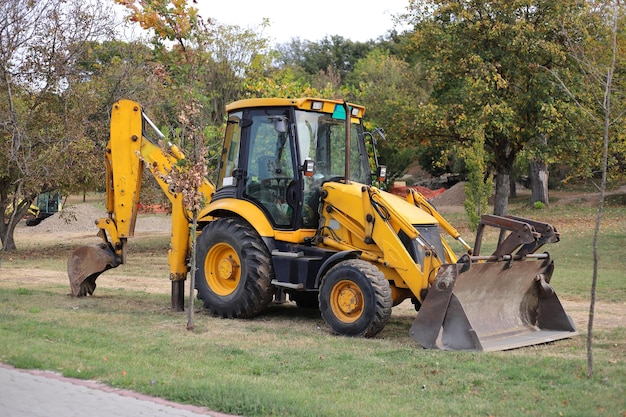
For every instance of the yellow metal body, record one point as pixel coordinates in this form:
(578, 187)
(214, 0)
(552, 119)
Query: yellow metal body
(360, 217)
(418, 200)
(364, 218)
(306, 103)
(127, 152)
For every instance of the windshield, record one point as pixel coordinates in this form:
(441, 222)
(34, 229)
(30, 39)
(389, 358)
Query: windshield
(322, 138)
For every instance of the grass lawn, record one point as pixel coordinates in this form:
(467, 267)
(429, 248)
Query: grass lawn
(286, 363)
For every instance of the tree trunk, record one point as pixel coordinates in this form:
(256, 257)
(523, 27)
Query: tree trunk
(539, 182)
(501, 202)
(8, 241)
(192, 276)
(512, 188)
(539, 177)
(7, 227)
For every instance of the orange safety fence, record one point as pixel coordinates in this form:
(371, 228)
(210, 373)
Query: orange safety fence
(426, 192)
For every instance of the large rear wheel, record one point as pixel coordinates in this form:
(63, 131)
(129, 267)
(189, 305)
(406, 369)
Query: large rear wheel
(234, 269)
(355, 298)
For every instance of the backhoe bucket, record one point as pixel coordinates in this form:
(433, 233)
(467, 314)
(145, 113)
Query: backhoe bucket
(86, 264)
(490, 306)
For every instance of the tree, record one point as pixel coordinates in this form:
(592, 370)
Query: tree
(479, 184)
(389, 88)
(332, 53)
(198, 61)
(597, 47)
(41, 45)
(185, 179)
(484, 59)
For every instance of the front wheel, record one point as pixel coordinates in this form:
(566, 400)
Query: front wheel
(234, 269)
(355, 298)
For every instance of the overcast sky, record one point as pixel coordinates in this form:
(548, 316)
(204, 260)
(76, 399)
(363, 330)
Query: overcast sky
(308, 20)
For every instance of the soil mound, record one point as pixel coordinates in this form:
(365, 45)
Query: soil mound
(453, 196)
(72, 219)
(81, 218)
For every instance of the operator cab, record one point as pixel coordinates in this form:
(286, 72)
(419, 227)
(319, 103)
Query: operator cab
(278, 152)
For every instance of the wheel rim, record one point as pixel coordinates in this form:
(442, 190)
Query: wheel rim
(346, 301)
(223, 269)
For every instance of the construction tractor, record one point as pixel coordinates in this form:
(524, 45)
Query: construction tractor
(293, 213)
(45, 206)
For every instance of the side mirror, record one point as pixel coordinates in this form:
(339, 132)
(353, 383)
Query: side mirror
(381, 172)
(308, 167)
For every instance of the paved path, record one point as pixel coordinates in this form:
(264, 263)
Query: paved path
(45, 394)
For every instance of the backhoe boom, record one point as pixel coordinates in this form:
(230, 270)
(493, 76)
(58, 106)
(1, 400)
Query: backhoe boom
(133, 144)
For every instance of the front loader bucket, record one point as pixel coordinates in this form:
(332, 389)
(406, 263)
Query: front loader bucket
(86, 264)
(491, 306)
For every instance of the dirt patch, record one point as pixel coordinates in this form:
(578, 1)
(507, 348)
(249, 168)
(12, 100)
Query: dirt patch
(76, 224)
(36, 278)
(75, 227)
(73, 219)
(454, 197)
(80, 218)
(607, 315)
(615, 197)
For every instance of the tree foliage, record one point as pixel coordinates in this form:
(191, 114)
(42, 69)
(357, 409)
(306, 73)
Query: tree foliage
(479, 184)
(593, 43)
(331, 54)
(476, 87)
(484, 59)
(42, 44)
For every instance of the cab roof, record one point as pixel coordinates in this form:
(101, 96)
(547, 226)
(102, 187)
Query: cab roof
(306, 103)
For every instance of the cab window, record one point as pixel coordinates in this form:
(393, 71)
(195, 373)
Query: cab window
(230, 152)
(271, 180)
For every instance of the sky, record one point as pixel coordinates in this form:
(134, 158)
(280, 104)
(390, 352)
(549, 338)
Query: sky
(309, 20)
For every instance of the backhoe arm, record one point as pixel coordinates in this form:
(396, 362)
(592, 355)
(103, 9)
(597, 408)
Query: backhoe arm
(132, 145)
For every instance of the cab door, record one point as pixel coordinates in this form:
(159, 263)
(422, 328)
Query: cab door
(271, 175)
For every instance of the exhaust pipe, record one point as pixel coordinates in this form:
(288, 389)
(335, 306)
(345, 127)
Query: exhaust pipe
(85, 265)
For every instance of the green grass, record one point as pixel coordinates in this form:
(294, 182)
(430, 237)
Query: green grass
(286, 363)
(573, 254)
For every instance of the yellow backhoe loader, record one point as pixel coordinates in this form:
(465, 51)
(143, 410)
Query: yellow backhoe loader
(294, 212)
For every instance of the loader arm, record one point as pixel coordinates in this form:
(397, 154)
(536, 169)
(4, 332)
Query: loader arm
(418, 199)
(133, 144)
(475, 302)
(375, 232)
